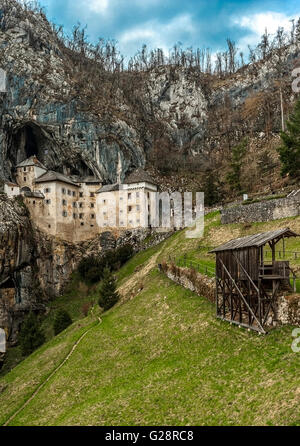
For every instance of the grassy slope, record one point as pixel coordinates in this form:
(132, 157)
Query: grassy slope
(160, 357)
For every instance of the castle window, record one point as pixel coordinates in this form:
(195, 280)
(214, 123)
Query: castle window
(138, 222)
(104, 213)
(81, 216)
(92, 205)
(25, 179)
(69, 192)
(138, 207)
(80, 194)
(25, 169)
(129, 196)
(80, 205)
(148, 195)
(64, 202)
(129, 208)
(74, 193)
(33, 202)
(48, 201)
(81, 224)
(64, 191)
(74, 204)
(47, 190)
(121, 198)
(65, 214)
(104, 201)
(130, 222)
(49, 226)
(92, 215)
(122, 223)
(137, 195)
(75, 216)
(92, 194)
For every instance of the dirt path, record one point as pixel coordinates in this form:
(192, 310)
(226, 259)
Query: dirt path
(136, 278)
(49, 377)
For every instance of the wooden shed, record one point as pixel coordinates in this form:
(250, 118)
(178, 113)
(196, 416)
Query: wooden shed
(247, 287)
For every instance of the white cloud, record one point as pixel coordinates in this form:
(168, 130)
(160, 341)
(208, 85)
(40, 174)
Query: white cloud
(259, 22)
(156, 34)
(99, 6)
(106, 7)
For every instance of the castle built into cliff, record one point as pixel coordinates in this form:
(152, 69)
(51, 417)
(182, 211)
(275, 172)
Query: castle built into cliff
(76, 208)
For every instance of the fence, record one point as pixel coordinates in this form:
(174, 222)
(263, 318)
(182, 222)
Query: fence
(287, 255)
(200, 267)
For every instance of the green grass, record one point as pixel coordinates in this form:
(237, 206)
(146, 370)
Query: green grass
(160, 357)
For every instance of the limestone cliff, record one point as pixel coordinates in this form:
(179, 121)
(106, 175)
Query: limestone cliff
(35, 267)
(79, 123)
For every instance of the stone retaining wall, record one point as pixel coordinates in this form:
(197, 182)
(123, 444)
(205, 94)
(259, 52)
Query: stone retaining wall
(288, 307)
(262, 211)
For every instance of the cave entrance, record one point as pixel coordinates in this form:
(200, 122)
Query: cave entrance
(29, 141)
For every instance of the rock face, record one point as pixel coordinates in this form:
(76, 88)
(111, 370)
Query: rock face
(46, 111)
(19, 288)
(35, 267)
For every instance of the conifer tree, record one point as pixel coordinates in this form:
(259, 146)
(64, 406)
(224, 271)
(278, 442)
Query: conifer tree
(290, 149)
(108, 293)
(31, 336)
(234, 176)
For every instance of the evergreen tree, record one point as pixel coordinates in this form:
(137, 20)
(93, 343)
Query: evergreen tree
(108, 294)
(211, 192)
(31, 336)
(290, 150)
(234, 176)
(61, 321)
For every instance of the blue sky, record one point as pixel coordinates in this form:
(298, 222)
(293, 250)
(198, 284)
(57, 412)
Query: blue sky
(162, 23)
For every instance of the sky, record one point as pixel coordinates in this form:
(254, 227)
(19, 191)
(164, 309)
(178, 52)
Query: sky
(163, 23)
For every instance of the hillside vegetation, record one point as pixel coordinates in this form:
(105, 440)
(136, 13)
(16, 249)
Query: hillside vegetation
(159, 356)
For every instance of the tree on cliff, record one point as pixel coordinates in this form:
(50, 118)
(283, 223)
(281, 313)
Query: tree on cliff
(237, 157)
(61, 322)
(108, 291)
(31, 336)
(290, 149)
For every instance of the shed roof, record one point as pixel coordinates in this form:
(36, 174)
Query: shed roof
(139, 176)
(255, 240)
(54, 176)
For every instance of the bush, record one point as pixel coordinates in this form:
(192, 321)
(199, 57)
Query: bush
(31, 336)
(85, 308)
(108, 294)
(124, 253)
(91, 269)
(62, 320)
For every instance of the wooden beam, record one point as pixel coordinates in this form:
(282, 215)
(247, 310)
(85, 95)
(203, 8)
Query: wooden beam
(241, 295)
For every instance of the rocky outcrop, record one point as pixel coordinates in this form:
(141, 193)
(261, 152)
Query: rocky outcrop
(35, 267)
(19, 287)
(77, 128)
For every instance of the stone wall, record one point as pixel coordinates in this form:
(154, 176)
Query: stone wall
(191, 280)
(287, 309)
(262, 211)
